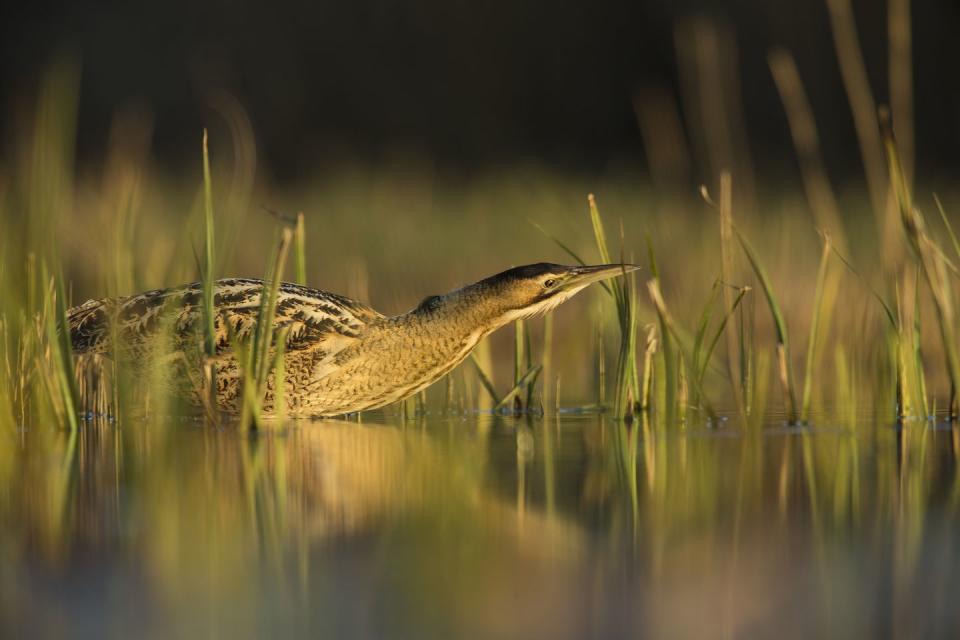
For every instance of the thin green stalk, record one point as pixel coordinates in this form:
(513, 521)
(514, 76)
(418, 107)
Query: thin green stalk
(916, 352)
(708, 354)
(7, 410)
(547, 359)
(528, 378)
(624, 294)
(926, 252)
(601, 367)
(887, 310)
(814, 329)
(208, 279)
(646, 386)
(520, 357)
(300, 249)
(952, 404)
(618, 288)
(259, 364)
(518, 351)
(780, 325)
(528, 350)
(737, 368)
(61, 351)
(684, 357)
(669, 377)
(598, 232)
(704, 323)
(627, 391)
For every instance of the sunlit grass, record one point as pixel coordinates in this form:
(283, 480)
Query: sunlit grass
(665, 372)
(208, 278)
(257, 362)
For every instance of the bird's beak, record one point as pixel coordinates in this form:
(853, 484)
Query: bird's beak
(582, 276)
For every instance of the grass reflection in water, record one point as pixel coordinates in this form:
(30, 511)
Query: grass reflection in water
(480, 526)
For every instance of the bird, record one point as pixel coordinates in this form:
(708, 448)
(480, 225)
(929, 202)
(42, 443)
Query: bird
(340, 355)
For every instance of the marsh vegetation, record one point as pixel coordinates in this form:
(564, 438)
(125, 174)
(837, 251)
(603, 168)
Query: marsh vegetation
(759, 426)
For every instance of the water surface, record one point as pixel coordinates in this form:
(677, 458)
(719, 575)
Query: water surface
(481, 527)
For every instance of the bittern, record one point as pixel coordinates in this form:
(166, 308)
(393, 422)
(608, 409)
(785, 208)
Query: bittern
(340, 355)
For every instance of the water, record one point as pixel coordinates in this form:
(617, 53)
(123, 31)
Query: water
(476, 527)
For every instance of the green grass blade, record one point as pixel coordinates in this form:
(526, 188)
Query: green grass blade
(737, 361)
(208, 283)
(916, 351)
(601, 365)
(627, 379)
(566, 249)
(528, 351)
(704, 323)
(518, 350)
(646, 385)
(668, 363)
(669, 324)
(208, 273)
(930, 258)
(264, 335)
(652, 258)
(61, 352)
(780, 325)
(628, 386)
(814, 330)
(598, 232)
(600, 237)
(887, 310)
(547, 360)
(529, 377)
(300, 250)
(708, 354)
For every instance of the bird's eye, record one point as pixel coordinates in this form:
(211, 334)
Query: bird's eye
(549, 283)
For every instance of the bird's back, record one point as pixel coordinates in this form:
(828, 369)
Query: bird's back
(153, 325)
(310, 316)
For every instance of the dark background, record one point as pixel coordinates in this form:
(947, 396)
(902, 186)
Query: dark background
(469, 84)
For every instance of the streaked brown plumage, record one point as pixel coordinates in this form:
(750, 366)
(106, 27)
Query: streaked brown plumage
(341, 356)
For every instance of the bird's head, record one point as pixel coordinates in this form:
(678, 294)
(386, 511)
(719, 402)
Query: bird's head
(535, 289)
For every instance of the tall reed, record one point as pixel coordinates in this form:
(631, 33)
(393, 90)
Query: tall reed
(300, 248)
(257, 363)
(208, 284)
(929, 257)
(784, 362)
(736, 356)
(58, 366)
(815, 323)
(685, 360)
(625, 299)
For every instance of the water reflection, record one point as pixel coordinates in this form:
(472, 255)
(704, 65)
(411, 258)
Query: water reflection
(480, 527)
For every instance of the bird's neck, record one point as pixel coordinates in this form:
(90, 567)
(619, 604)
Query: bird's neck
(471, 310)
(408, 352)
(441, 332)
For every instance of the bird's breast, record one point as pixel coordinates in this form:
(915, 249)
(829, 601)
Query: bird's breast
(386, 365)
